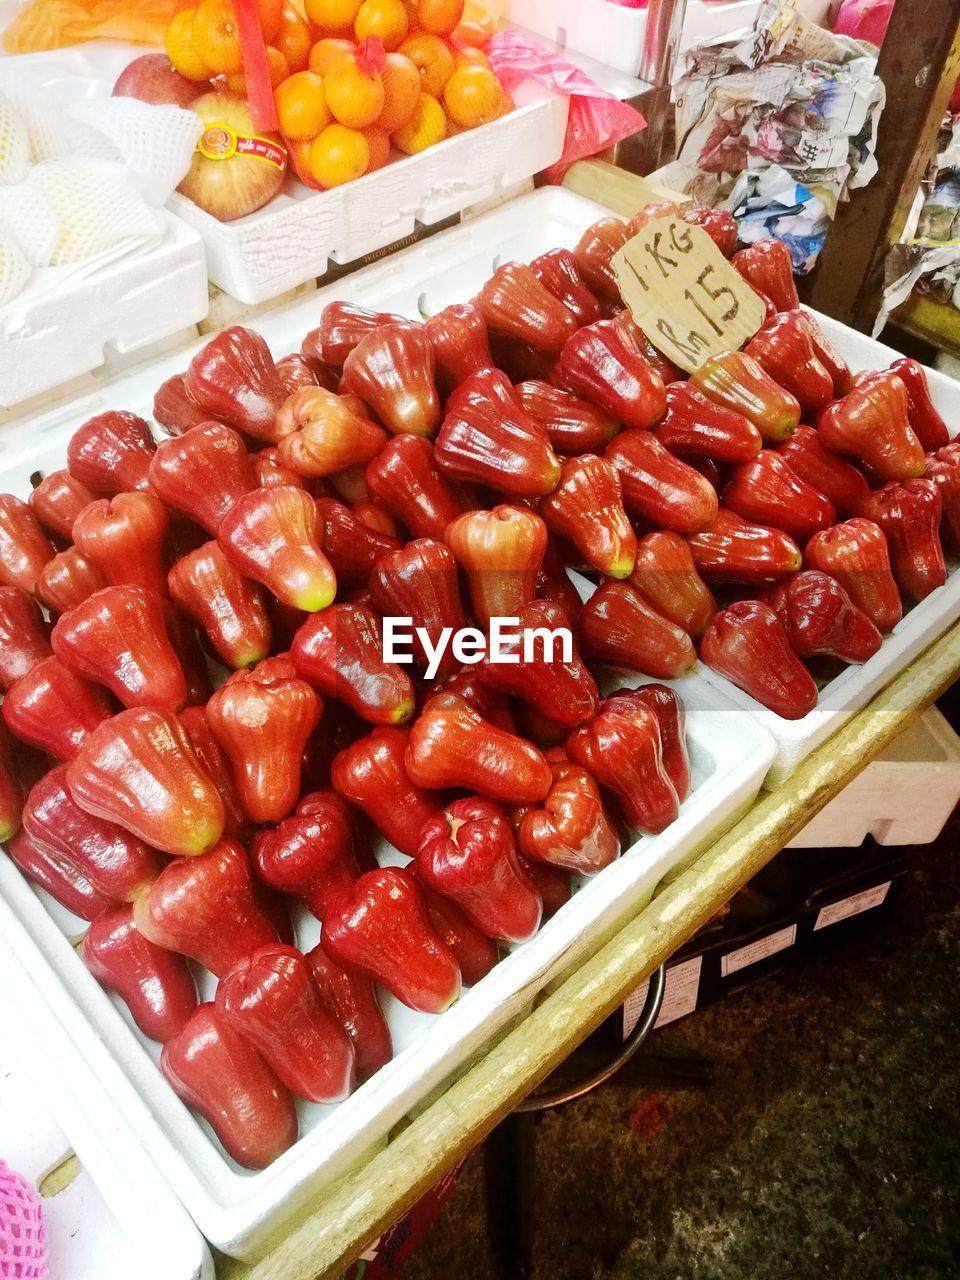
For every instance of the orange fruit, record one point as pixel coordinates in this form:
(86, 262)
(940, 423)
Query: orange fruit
(354, 87)
(338, 155)
(472, 97)
(300, 157)
(428, 125)
(384, 18)
(471, 33)
(301, 106)
(507, 104)
(401, 88)
(378, 140)
(332, 15)
(276, 66)
(432, 57)
(439, 17)
(270, 13)
(217, 36)
(294, 39)
(326, 51)
(181, 48)
(469, 56)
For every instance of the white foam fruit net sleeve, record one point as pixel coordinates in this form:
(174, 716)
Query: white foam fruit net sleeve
(15, 268)
(26, 208)
(14, 144)
(155, 143)
(95, 205)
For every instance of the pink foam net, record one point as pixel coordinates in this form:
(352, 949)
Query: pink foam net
(597, 119)
(23, 1241)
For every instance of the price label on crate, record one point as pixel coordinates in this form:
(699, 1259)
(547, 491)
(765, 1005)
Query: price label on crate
(684, 294)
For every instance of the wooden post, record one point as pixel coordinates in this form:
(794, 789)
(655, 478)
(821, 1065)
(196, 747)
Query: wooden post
(918, 64)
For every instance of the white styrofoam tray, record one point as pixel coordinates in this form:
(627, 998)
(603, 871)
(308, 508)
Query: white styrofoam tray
(117, 1217)
(235, 1209)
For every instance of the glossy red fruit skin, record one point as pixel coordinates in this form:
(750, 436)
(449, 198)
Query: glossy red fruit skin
(272, 536)
(342, 326)
(468, 853)
(826, 353)
(57, 501)
(733, 550)
(552, 884)
(124, 537)
(139, 771)
(659, 487)
(666, 577)
(484, 698)
(696, 425)
(372, 774)
(856, 554)
(311, 855)
(594, 254)
(11, 794)
(451, 745)
(871, 424)
(566, 692)
(353, 1001)
(155, 984)
(67, 580)
(115, 862)
(420, 582)
(571, 830)
(767, 491)
(574, 426)
(283, 710)
(111, 452)
(213, 760)
(296, 371)
(618, 628)
(235, 380)
(23, 635)
(649, 211)
(202, 473)
(382, 930)
(118, 638)
(622, 750)
(810, 459)
(340, 652)
(24, 548)
(206, 908)
(605, 364)
(392, 371)
(558, 272)
(929, 428)
(475, 953)
(321, 433)
(909, 512)
(270, 997)
(719, 224)
(229, 608)
(820, 618)
(671, 715)
(501, 552)
(748, 644)
(350, 544)
(488, 438)
(943, 468)
(219, 1073)
(766, 265)
(58, 876)
(516, 305)
(175, 409)
(784, 348)
(404, 479)
(53, 709)
(736, 381)
(587, 508)
(461, 346)
(269, 472)
(553, 584)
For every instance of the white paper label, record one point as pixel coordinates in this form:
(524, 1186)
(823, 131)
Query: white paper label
(680, 993)
(852, 906)
(759, 950)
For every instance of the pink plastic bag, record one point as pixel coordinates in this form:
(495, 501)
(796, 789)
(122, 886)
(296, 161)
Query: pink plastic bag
(597, 119)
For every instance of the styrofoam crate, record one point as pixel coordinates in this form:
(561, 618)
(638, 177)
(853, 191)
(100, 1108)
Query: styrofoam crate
(117, 1217)
(882, 801)
(238, 1210)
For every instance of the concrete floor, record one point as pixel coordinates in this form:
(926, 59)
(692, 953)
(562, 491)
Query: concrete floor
(828, 1146)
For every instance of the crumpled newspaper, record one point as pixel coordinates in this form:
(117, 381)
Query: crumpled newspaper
(784, 114)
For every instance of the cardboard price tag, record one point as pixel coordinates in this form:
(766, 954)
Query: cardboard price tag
(684, 294)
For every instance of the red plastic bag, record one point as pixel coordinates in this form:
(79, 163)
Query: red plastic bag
(597, 119)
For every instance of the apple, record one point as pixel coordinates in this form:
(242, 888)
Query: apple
(153, 79)
(235, 169)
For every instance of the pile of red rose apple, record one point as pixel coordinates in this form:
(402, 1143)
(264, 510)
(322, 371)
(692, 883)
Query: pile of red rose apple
(442, 472)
